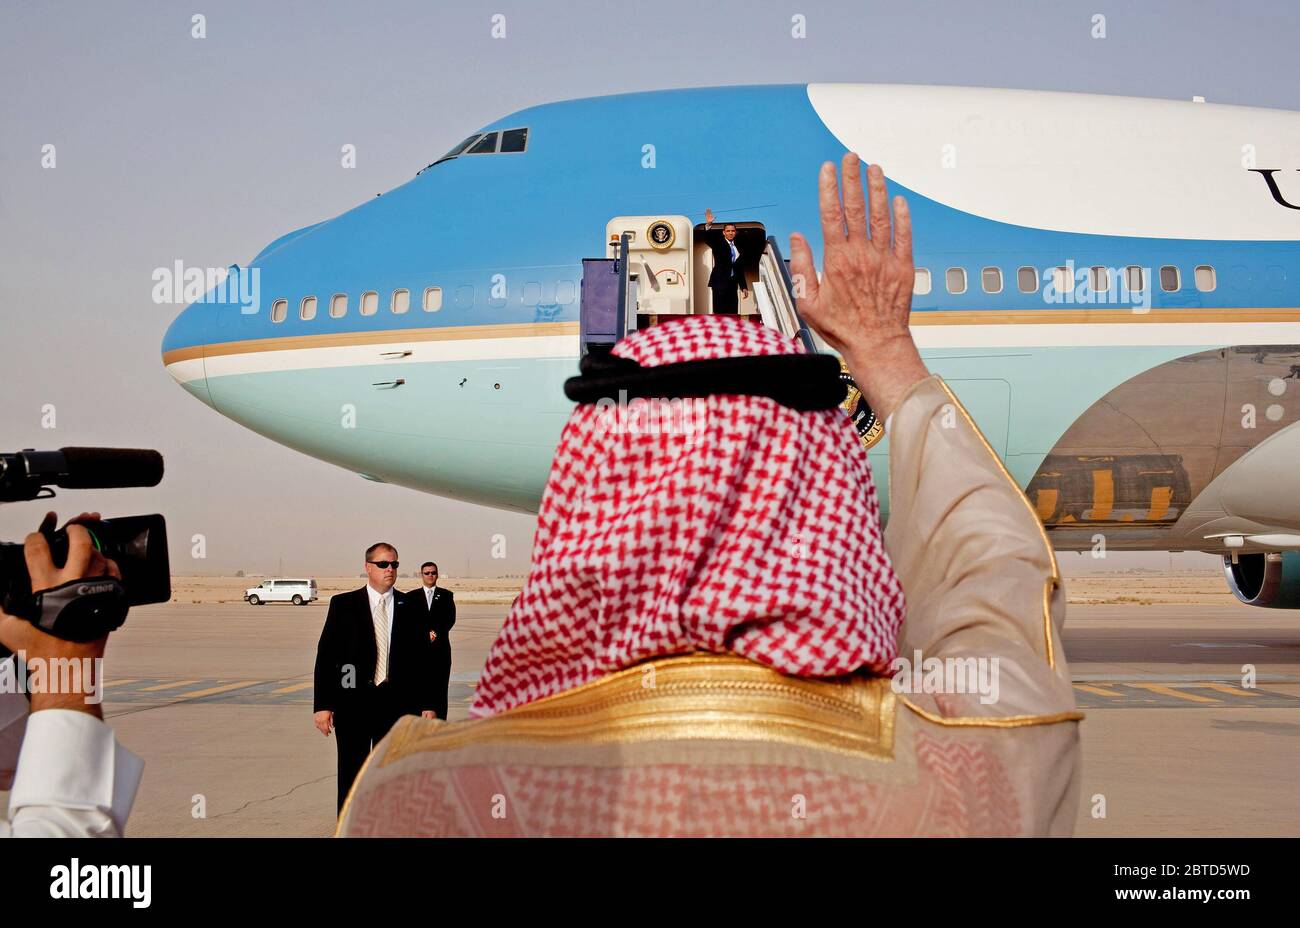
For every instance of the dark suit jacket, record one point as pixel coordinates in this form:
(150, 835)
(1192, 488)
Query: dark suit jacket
(724, 271)
(440, 618)
(349, 639)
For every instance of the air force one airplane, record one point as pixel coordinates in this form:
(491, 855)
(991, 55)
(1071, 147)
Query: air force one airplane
(1111, 286)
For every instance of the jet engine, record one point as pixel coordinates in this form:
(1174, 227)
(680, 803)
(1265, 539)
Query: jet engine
(1271, 579)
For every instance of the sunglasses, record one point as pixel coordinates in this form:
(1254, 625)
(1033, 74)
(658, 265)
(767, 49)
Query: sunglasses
(384, 565)
(431, 573)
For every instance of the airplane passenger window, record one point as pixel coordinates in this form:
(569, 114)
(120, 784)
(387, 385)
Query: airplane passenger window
(369, 303)
(514, 140)
(1169, 278)
(279, 309)
(1062, 279)
(532, 293)
(566, 291)
(991, 278)
(921, 283)
(401, 301)
(432, 299)
(1099, 279)
(1027, 279)
(338, 305)
(484, 146)
(307, 308)
(956, 279)
(1135, 279)
(1205, 280)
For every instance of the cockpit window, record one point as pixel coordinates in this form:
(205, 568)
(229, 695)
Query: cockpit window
(484, 146)
(514, 141)
(462, 146)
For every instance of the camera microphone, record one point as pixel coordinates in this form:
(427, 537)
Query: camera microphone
(24, 474)
(94, 468)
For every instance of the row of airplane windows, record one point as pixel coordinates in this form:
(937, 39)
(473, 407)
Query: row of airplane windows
(1027, 279)
(1099, 279)
(399, 302)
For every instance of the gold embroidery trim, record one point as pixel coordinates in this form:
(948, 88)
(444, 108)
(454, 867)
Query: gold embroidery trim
(709, 697)
(1006, 721)
(1049, 586)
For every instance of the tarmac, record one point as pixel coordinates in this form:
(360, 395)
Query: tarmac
(217, 699)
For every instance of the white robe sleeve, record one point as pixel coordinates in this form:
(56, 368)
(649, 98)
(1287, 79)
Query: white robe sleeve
(73, 779)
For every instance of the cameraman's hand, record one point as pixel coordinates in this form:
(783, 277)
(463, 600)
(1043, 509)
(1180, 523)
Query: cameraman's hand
(863, 302)
(20, 635)
(83, 560)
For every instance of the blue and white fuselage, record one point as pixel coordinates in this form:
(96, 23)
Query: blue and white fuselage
(1122, 416)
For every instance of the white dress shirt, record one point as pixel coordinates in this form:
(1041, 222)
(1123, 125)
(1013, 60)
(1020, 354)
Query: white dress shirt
(73, 779)
(428, 596)
(375, 597)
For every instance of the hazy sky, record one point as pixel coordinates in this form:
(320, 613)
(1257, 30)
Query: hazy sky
(171, 148)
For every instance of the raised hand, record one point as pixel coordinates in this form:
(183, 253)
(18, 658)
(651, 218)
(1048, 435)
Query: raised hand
(863, 301)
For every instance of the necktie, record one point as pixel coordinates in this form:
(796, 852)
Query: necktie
(381, 642)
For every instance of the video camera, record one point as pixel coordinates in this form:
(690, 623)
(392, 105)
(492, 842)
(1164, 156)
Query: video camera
(91, 607)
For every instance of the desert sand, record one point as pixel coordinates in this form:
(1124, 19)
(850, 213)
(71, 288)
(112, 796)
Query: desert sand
(1128, 587)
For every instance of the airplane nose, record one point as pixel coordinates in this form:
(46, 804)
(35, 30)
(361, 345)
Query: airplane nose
(183, 346)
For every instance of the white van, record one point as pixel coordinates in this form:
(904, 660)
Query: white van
(298, 592)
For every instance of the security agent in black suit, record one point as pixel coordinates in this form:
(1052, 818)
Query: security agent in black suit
(357, 694)
(440, 607)
(727, 275)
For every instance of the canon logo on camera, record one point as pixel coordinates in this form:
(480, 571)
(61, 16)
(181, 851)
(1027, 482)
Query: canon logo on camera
(88, 589)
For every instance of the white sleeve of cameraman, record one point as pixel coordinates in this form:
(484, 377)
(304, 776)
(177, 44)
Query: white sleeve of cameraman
(73, 779)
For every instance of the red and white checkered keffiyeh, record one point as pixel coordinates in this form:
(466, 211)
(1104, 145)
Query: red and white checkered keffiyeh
(756, 531)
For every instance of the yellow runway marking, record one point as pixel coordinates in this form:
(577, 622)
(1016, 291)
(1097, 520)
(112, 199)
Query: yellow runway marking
(1098, 690)
(109, 683)
(291, 689)
(1170, 691)
(213, 690)
(167, 686)
(1231, 690)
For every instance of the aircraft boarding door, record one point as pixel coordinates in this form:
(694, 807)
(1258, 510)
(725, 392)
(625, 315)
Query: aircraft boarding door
(603, 311)
(643, 279)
